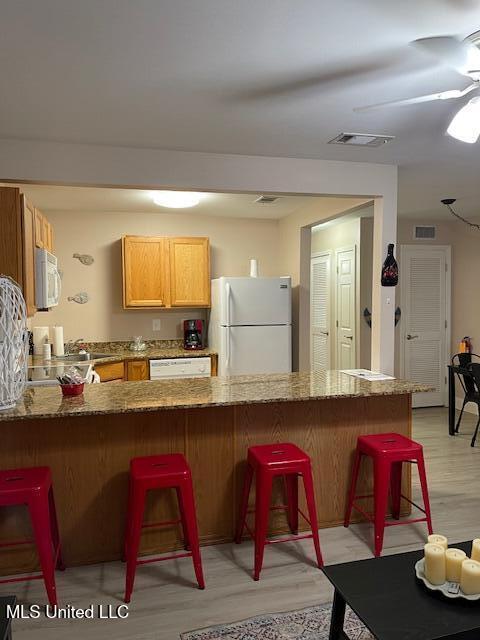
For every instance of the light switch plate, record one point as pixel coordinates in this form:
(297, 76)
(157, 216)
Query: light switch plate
(156, 324)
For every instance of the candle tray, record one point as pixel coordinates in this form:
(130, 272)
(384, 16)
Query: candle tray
(443, 588)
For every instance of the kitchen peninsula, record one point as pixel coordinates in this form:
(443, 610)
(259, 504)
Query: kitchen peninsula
(89, 440)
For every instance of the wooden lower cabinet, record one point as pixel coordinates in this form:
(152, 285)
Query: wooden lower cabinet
(137, 369)
(90, 455)
(111, 371)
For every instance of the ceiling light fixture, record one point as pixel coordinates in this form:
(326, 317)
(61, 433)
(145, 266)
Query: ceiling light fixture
(465, 125)
(176, 199)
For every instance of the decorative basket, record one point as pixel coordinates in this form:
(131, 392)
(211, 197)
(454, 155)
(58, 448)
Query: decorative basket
(13, 343)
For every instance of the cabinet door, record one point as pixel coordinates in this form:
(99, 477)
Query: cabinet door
(28, 240)
(189, 272)
(137, 370)
(109, 372)
(145, 272)
(39, 233)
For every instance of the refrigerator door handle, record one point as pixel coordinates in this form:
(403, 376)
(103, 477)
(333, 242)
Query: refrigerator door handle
(228, 290)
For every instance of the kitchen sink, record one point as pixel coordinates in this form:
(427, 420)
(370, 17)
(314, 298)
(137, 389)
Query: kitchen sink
(80, 357)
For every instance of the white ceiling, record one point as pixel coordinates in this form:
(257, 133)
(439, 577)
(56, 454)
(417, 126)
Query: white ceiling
(84, 199)
(267, 77)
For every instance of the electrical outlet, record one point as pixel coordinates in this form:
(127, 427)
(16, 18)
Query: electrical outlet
(156, 324)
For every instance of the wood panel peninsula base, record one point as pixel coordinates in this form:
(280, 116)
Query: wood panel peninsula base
(88, 443)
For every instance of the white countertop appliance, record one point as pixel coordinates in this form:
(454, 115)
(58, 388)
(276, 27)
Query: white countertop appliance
(251, 325)
(47, 280)
(180, 368)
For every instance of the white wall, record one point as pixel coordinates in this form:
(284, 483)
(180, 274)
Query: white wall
(233, 242)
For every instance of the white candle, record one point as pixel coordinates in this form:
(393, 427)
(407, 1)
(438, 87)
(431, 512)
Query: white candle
(435, 565)
(470, 577)
(438, 539)
(454, 558)
(475, 555)
(57, 341)
(253, 268)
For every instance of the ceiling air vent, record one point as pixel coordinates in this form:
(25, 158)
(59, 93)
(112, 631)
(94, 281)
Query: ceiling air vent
(266, 199)
(424, 232)
(361, 139)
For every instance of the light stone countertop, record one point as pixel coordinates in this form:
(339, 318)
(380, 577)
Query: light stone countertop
(154, 395)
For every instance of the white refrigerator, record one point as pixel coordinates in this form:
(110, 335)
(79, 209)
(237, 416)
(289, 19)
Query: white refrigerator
(251, 325)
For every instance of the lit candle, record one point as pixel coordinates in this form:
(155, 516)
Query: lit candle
(435, 565)
(454, 559)
(438, 539)
(470, 579)
(475, 555)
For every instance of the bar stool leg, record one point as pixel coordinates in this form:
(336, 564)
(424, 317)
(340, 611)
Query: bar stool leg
(55, 532)
(312, 512)
(39, 514)
(353, 487)
(136, 508)
(242, 515)
(424, 486)
(188, 504)
(380, 490)
(181, 508)
(396, 488)
(291, 490)
(262, 509)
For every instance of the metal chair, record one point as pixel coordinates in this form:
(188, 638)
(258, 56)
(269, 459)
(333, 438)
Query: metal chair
(471, 394)
(474, 369)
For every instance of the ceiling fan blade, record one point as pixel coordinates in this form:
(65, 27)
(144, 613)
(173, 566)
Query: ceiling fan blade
(452, 94)
(460, 55)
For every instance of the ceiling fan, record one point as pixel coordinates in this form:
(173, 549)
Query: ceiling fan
(464, 57)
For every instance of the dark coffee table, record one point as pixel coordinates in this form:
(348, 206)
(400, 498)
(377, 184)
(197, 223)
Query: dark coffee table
(394, 605)
(6, 623)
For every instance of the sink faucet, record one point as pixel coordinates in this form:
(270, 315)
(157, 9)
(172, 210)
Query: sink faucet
(71, 344)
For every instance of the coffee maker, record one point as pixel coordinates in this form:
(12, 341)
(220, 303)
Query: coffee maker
(192, 334)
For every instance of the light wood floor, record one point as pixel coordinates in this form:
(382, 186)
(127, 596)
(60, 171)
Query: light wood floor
(166, 602)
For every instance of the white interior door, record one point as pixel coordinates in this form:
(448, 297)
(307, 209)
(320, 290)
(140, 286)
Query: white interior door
(320, 311)
(345, 304)
(425, 295)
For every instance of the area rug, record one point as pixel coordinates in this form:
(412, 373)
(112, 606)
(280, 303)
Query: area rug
(312, 623)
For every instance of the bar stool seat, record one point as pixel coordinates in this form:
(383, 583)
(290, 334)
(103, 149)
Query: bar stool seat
(266, 462)
(388, 451)
(33, 487)
(160, 472)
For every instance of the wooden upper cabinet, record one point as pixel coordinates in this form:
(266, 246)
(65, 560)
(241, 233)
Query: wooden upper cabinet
(145, 277)
(189, 272)
(43, 232)
(28, 254)
(165, 272)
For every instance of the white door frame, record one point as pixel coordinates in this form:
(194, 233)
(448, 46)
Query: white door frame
(356, 288)
(323, 254)
(448, 306)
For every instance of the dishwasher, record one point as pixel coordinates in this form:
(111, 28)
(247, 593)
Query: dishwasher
(168, 368)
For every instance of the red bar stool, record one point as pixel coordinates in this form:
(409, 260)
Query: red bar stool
(33, 488)
(266, 462)
(160, 472)
(388, 451)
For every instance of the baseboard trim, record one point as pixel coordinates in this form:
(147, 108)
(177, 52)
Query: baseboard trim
(470, 407)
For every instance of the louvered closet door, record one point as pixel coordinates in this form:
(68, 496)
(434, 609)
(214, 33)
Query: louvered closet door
(320, 304)
(424, 319)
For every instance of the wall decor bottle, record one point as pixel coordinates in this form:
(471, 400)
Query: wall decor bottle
(390, 269)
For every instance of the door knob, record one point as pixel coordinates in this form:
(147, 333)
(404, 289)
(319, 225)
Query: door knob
(410, 337)
(349, 337)
(324, 333)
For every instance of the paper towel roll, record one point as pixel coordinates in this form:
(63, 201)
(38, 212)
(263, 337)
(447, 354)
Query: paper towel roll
(253, 268)
(40, 337)
(57, 341)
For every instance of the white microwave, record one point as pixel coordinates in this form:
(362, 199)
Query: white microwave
(47, 280)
